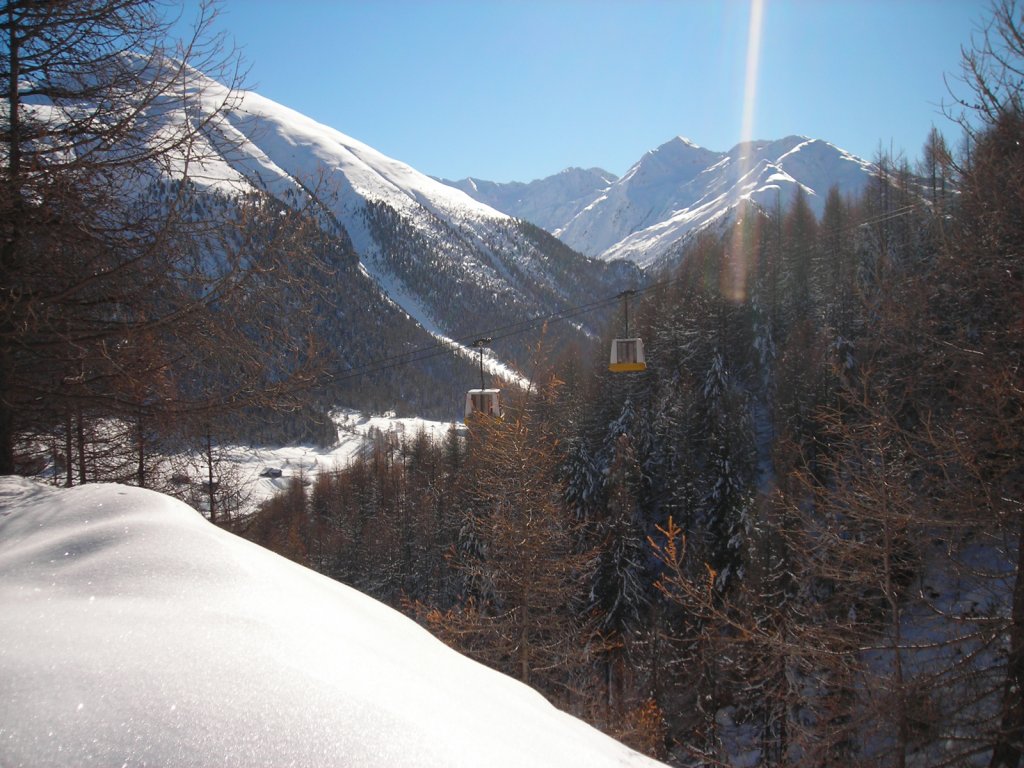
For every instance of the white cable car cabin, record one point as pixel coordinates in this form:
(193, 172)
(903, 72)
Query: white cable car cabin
(627, 355)
(486, 402)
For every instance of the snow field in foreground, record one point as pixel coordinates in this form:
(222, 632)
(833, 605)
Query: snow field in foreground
(136, 633)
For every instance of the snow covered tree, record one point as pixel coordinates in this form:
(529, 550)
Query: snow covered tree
(799, 246)
(725, 505)
(582, 479)
(620, 583)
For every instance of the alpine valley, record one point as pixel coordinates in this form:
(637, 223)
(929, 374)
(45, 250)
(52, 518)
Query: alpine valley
(434, 260)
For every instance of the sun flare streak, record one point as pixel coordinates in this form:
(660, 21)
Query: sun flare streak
(735, 270)
(751, 72)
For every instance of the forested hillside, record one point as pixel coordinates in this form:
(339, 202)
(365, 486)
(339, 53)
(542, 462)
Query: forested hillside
(177, 276)
(521, 276)
(793, 539)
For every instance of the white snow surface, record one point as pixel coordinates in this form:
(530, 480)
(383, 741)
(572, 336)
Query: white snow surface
(282, 149)
(136, 633)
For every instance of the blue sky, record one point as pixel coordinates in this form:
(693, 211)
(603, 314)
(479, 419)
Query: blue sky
(521, 89)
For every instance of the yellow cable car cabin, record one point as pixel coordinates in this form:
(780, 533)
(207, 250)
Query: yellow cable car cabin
(486, 402)
(627, 355)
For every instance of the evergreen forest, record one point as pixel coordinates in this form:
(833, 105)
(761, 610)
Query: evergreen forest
(794, 539)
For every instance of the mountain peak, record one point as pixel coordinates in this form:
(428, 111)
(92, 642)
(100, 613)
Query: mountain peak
(679, 188)
(545, 202)
(672, 163)
(678, 146)
(687, 142)
(674, 190)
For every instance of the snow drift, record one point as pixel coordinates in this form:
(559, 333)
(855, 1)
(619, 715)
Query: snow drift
(136, 633)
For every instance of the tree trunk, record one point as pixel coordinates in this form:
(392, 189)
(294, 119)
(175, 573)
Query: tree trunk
(141, 440)
(6, 422)
(69, 452)
(209, 474)
(524, 639)
(80, 436)
(9, 247)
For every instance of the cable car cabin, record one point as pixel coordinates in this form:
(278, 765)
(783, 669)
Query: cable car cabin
(627, 355)
(483, 401)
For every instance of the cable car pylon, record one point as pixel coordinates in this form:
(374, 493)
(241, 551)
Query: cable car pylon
(627, 353)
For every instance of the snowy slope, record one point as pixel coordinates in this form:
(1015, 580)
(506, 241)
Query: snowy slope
(302, 149)
(136, 633)
(420, 263)
(680, 188)
(282, 149)
(765, 173)
(457, 266)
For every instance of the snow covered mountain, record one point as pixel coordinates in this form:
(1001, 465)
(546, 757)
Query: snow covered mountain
(457, 266)
(549, 202)
(137, 633)
(446, 261)
(460, 259)
(676, 190)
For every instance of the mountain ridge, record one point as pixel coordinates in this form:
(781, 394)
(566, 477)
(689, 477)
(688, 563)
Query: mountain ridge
(677, 189)
(455, 266)
(543, 202)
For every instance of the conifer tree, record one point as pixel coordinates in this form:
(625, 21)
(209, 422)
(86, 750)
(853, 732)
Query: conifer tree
(979, 323)
(522, 569)
(985, 338)
(799, 246)
(620, 585)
